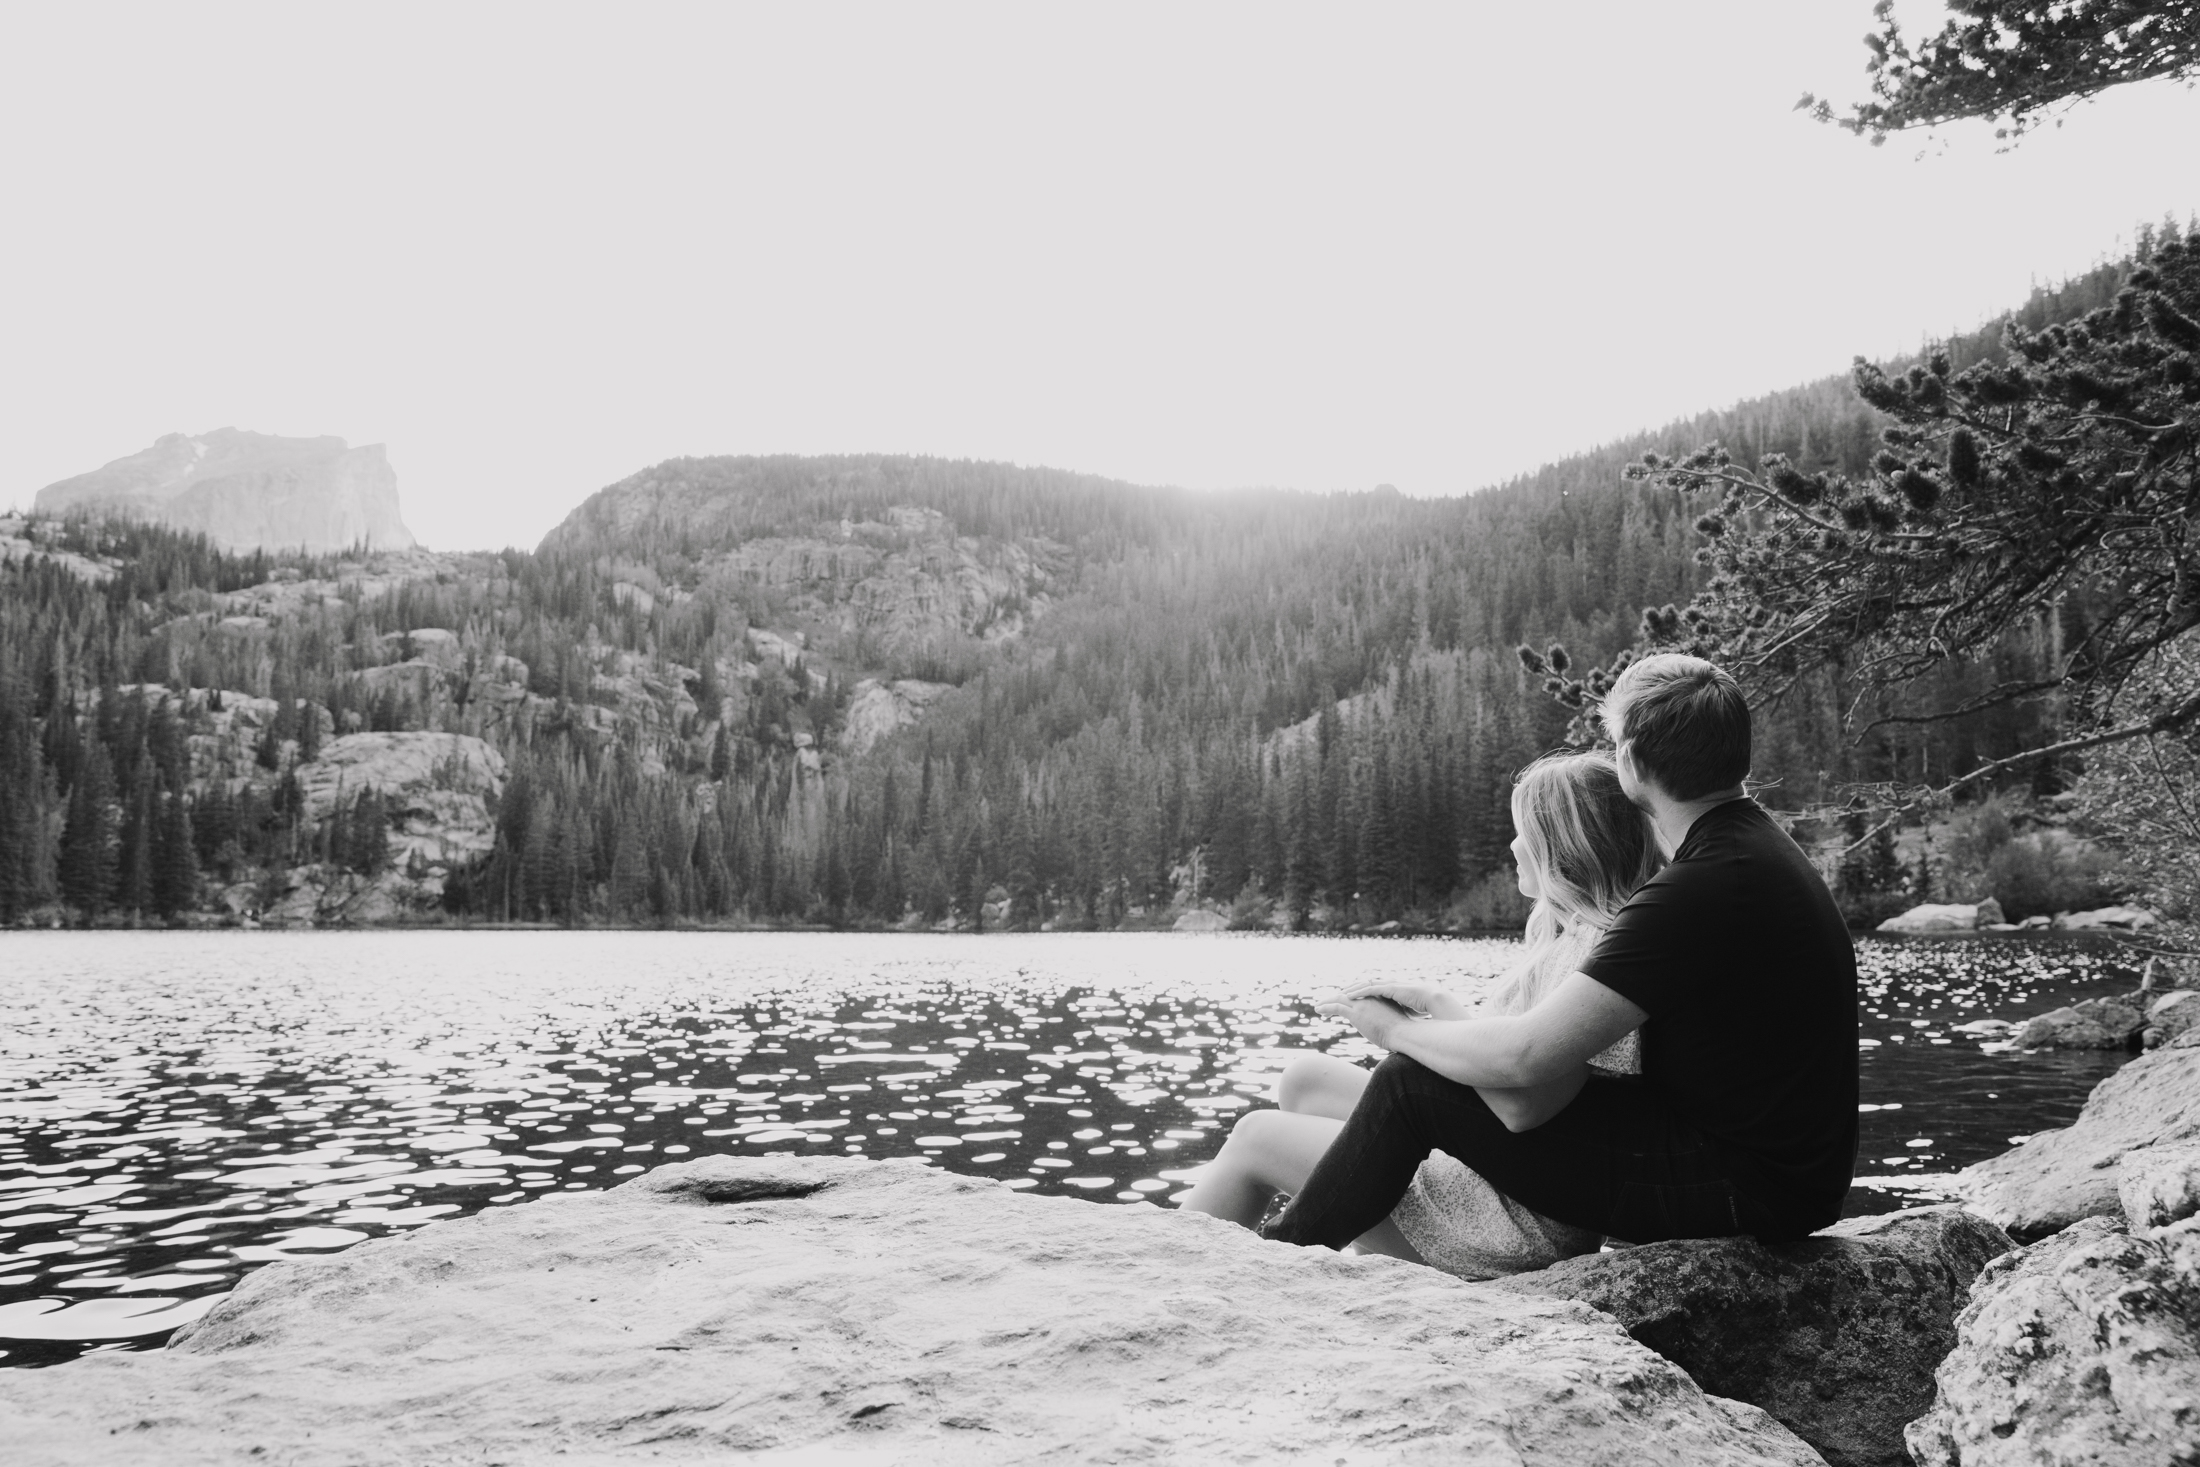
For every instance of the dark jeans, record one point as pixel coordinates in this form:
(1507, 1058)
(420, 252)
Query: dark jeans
(1616, 1161)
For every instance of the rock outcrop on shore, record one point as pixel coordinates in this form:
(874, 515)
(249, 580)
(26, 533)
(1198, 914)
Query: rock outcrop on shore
(2060, 1177)
(2081, 1349)
(1940, 919)
(1836, 1335)
(873, 1312)
(2097, 1023)
(249, 491)
(1944, 917)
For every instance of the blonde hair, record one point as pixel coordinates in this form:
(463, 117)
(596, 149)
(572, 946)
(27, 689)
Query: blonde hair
(1590, 848)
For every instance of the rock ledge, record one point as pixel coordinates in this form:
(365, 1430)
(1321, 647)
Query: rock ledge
(850, 1311)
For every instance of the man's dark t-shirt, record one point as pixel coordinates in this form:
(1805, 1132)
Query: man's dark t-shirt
(1740, 958)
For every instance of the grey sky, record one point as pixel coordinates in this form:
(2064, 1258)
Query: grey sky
(535, 247)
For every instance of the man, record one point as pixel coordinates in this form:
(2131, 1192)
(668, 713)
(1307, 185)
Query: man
(1735, 964)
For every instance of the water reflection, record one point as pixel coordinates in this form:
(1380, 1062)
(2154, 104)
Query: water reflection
(178, 1108)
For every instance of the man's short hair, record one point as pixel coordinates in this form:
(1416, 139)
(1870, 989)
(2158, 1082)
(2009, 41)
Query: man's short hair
(1686, 722)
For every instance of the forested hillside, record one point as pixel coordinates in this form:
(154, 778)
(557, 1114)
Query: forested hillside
(866, 690)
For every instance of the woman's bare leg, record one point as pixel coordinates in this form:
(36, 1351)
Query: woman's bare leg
(1268, 1151)
(1271, 1151)
(1319, 1085)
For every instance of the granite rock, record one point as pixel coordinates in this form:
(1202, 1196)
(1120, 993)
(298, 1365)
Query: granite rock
(2159, 1185)
(843, 1311)
(1836, 1335)
(440, 789)
(2098, 1023)
(1937, 917)
(2171, 1015)
(877, 708)
(2060, 1176)
(2128, 919)
(2080, 1351)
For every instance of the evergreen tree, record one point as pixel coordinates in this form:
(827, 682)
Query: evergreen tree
(176, 865)
(2015, 61)
(87, 864)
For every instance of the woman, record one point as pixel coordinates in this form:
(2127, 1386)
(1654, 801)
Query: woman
(1582, 849)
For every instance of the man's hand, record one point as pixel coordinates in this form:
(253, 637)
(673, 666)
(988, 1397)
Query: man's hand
(1377, 1021)
(1424, 998)
(1550, 1042)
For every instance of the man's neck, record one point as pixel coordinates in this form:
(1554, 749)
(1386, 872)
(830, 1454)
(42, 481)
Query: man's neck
(1674, 818)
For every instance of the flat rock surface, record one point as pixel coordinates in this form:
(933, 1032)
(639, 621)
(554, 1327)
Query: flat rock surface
(2058, 1177)
(2080, 1351)
(1836, 1335)
(842, 1311)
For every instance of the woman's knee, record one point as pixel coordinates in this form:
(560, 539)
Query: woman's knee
(1255, 1132)
(1312, 1078)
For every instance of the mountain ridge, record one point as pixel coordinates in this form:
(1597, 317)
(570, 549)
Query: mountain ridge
(249, 491)
(873, 690)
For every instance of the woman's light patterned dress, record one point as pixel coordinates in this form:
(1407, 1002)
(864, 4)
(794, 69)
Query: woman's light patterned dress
(1463, 1225)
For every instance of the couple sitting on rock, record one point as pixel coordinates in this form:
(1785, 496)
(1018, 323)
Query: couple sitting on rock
(1675, 1057)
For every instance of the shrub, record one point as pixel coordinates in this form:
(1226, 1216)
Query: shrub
(2049, 871)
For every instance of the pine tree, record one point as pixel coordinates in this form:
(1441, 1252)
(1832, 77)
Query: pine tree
(137, 838)
(176, 865)
(87, 863)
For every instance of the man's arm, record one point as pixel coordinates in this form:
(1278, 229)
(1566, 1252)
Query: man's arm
(1549, 1043)
(1530, 1106)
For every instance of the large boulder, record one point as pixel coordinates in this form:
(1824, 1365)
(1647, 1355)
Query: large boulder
(833, 1309)
(2159, 1185)
(2171, 1015)
(1938, 917)
(2127, 919)
(2080, 1351)
(1836, 1336)
(2098, 1023)
(2058, 1177)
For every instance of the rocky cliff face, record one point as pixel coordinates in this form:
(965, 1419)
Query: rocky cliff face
(869, 583)
(250, 491)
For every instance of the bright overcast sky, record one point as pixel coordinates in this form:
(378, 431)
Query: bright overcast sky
(536, 247)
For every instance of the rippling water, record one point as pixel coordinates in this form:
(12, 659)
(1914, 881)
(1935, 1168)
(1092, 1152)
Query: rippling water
(176, 1109)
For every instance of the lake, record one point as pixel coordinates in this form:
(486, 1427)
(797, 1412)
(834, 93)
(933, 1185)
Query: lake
(179, 1108)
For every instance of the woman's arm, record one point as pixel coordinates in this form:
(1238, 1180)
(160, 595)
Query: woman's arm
(1550, 1044)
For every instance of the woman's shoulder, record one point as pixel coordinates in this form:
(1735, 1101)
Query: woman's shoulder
(1574, 944)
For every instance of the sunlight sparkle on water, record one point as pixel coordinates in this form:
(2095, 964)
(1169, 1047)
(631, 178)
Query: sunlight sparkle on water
(176, 1109)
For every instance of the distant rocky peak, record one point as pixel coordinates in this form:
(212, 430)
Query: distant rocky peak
(249, 491)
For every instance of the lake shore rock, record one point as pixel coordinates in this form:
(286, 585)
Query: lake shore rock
(2171, 1015)
(1944, 917)
(843, 1310)
(2082, 1349)
(1836, 1336)
(2098, 1023)
(2059, 1177)
(2122, 919)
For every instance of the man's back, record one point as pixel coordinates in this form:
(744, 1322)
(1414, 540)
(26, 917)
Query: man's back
(1739, 956)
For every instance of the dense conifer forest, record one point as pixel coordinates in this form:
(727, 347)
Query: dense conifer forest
(1108, 703)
